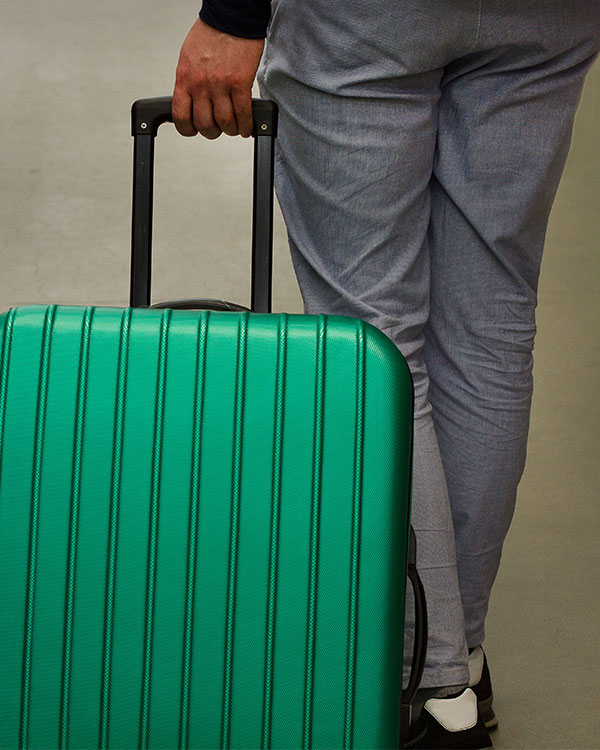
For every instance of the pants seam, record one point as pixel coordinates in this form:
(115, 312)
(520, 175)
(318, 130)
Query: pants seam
(476, 42)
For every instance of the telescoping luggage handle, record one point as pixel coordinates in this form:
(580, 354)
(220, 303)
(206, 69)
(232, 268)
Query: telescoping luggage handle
(146, 117)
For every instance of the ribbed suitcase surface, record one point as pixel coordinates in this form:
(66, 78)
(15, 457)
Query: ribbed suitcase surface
(203, 525)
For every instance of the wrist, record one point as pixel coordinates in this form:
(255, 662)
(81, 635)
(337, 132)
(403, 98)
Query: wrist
(247, 19)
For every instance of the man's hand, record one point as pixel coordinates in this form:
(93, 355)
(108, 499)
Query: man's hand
(213, 86)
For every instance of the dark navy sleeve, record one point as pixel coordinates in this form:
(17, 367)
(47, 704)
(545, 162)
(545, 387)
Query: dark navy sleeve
(245, 18)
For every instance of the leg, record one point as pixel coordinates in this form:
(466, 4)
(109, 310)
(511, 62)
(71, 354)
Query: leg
(357, 137)
(505, 121)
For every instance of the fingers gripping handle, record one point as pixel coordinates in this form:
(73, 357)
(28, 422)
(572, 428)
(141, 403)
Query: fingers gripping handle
(146, 117)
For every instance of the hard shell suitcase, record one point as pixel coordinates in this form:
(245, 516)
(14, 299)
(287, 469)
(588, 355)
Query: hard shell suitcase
(204, 515)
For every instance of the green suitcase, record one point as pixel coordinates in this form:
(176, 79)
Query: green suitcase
(204, 529)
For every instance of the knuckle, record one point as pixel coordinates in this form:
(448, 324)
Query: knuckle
(236, 83)
(198, 86)
(210, 134)
(185, 130)
(182, 74)
(225, 123)
(206, 127)
(202, 126)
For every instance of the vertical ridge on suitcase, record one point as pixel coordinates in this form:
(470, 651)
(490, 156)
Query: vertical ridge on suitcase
(274, 529)
(314, 531)
(73, 524)
(115, 492)
(238, 417)
(193, 528)
(355, 534)
(34, 523)
(7, 328)
(153, 523)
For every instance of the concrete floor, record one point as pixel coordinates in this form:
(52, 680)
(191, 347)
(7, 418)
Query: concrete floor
(70, 70)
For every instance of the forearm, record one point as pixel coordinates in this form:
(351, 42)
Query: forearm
(244, 18)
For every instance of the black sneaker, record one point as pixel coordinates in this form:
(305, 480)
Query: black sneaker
(481, 684)
(451, 723)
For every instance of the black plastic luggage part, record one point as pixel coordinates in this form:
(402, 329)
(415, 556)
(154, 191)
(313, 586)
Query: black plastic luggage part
(146, 117)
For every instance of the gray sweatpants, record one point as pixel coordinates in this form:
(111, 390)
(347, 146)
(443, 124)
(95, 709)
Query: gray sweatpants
(421, 145)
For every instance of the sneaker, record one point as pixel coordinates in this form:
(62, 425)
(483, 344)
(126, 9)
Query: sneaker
(451, 723)
(481, 685)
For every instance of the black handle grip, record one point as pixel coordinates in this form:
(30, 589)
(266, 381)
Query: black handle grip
(146, 117)
(201, 304)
